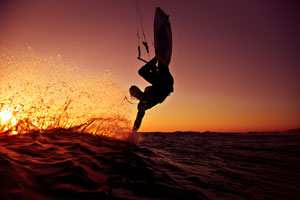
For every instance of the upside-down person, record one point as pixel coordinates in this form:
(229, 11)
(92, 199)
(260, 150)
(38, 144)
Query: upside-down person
(158, 74)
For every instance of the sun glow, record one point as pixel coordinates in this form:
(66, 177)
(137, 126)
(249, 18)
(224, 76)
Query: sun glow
(5, 116)
(44, 93)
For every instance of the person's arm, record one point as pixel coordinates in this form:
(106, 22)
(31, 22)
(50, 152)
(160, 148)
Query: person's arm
(138, 120)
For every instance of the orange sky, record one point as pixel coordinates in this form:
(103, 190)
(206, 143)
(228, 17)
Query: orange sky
(235, 64)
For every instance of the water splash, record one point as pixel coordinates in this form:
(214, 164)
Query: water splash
(39, 93)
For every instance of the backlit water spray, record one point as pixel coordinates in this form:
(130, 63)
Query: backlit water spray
(42, 93)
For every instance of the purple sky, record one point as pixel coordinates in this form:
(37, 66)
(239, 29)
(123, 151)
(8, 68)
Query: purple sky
(231, 59)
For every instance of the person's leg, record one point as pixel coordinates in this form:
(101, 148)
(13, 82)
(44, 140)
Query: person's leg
(149, 72)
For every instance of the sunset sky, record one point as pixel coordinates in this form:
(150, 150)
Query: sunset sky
(235, 63)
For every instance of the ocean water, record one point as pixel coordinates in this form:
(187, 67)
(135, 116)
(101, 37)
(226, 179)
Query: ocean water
(63, 164)
(64, 134)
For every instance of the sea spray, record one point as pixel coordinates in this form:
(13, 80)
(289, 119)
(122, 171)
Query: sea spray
(43, 92)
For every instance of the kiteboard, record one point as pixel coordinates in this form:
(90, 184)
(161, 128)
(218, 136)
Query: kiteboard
(162, 37)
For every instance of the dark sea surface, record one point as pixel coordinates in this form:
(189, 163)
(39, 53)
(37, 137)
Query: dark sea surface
(65, 165)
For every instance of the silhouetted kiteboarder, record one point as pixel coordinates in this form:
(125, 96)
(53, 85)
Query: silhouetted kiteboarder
(155, 71)
(162, 85)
